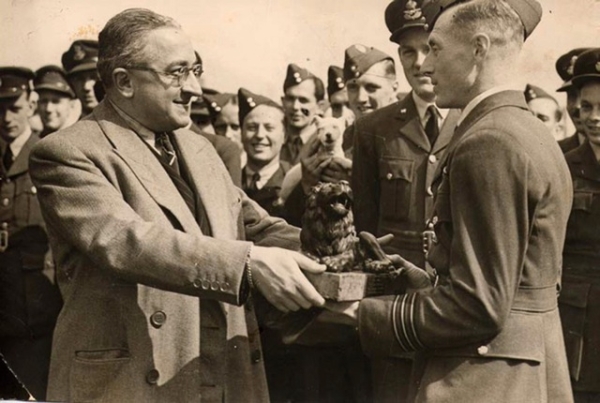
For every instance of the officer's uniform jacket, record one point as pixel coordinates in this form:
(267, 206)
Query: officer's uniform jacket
(579, 300)
(29, 298)
(269, 193)
(490, 329)
(393, 166)
(569, 143)
(154, 310)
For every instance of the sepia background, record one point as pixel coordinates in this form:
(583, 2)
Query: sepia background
(250, 42)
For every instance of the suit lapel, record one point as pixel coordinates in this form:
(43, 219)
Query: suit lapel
(142, 161)
(411, 127)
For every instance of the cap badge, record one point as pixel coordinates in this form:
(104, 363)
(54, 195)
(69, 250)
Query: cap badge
(571, 66)
(598, 67)
(361, 48)
(213, 104)
(532, 94)
(412, 12)
(338, 79)
(78, 52)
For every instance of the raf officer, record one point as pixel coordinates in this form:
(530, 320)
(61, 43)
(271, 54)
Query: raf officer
(303, 97)
(488, 328)
(57, 101)
(545, 107)
(80, 64)
(156, 250)
(337, 94)
(30, 300)
(564, 67)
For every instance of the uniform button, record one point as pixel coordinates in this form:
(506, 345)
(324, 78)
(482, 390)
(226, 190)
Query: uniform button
(152, 377)
(214, 286)
(432, 159)
(256, 356)
(389, 176)
(429, 191)
(445, 170)
(483, 350)
(158, 319)
(4, 225)
(5, 202)
(33, 190)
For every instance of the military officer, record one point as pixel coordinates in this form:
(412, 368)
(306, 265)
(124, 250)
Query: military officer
(223, 110)
(29, 298)
(564, 68)
(80, 61)
(579, 300)
(56, 105)
(488, 328)
(338, 96)
(304, 94)
(545, 107)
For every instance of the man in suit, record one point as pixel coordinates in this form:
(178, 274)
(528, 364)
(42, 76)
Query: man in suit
(564, 67)
(487, 328)
(157, 251)
(29, 298)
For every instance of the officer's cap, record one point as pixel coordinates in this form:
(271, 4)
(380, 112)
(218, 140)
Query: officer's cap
(14, 81)
(359, 58)
(534, 92)
(247, 101)
(335, 80)
(401, 15)
(565, 65)
(587, 67)
(81, 56)
(529, 11)
(53, 78)
(199, 106)
(216, 102)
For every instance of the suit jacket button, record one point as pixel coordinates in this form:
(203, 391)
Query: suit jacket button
(214, 286)
(158, 319)
(224, 286)
(205, 284)
(152, 377)
(255, 357)
(432, 159)
(197, 283)
(483, 350)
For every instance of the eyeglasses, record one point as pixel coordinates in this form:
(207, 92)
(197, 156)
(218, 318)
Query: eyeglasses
(178, 76)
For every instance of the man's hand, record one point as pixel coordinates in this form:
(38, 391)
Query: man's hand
(415, 277)
(341, 313)
(277, 274)
(338, 169)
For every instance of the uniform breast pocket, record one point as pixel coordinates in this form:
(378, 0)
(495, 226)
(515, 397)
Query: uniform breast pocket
(26, 205)
(582, 201)
(395, 179)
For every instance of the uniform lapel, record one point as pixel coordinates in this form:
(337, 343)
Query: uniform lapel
(21, 163)
(142, 161)
(587, 166)
(411, 126)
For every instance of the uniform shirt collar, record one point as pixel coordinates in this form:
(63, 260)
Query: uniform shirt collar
(146, 134)
(477, 100)
(265, 173)
(422, 106)
(17, 144)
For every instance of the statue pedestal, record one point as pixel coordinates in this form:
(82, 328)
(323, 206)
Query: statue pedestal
(354, 286)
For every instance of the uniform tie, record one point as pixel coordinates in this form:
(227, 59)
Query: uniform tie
(166, 150)
(7, 158)
(254, 182)
(432, 129)
(295, 147)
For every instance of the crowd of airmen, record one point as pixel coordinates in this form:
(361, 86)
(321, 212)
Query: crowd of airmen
(393, 144)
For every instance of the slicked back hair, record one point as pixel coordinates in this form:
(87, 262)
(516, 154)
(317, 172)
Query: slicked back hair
(120, 43)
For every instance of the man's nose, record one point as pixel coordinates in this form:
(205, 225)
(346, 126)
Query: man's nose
(362, 97)
(89, 85)
(420, 59)
(191, 85)
(426, 67)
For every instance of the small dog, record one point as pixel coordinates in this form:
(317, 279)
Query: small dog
(328, 234)
(330, 133)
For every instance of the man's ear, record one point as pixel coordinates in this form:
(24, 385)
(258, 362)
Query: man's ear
(122, 82)
(481, 46)
(322, 105)
(32, 102)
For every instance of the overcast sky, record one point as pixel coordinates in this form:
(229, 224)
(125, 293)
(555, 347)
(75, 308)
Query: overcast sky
(250, 42)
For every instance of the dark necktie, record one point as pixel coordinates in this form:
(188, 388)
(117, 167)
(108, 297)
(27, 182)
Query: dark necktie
(295, 147)
(432, 129)
(7, 158)
(167, 151)
(253, 182)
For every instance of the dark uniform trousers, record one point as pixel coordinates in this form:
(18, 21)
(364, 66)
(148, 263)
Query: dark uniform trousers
(393, 168)
(579, 300)
(29, 298)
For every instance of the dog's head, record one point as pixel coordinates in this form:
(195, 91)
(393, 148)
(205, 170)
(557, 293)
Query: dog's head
(330, 132)
(333, 199)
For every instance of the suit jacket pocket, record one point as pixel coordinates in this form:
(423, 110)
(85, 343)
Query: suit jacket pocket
(395, 181)
(92, 371)
(573, 311)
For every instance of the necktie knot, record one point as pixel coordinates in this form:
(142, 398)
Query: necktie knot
(254, 181)
(7, 158)
(165, 148)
